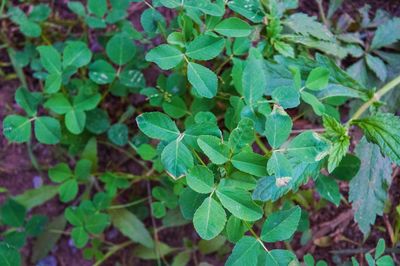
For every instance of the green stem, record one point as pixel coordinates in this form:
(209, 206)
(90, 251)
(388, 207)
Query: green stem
(322, 13)
(128, 204)
(261, 145)
(112, 251)
(377, 96)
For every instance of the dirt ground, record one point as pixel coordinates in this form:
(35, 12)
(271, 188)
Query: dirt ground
(17, 174)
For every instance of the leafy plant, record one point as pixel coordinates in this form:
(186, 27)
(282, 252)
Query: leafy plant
(213, 132)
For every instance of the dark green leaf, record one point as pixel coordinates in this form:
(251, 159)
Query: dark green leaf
(203, 80)
(281, 225)
(209, 219)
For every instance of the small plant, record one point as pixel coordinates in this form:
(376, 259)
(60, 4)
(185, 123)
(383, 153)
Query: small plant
(212, 131)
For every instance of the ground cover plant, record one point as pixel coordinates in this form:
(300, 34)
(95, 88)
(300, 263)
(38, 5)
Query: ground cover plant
(183, 132)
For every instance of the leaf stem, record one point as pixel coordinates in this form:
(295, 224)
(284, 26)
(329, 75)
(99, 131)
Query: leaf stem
(377, 96)
(261, 145)
(128, 204)
(113, 250)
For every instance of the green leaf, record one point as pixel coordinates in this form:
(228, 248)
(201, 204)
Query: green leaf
(97, 7)
(209, 219)
(79, 236)
(53, 83)
(158, 126)
(203, 80)
(235, 229)
(77, 8)
(50, 59)
(328, 189)
(75, 121)
(239, 203)
(308, 147)
(386, 34)
(214, 148)
(12, 213)
(176, 108)
(60, 173)
(47, 130)
(86, 102)
(233, 27)
(76, 54)
(32, 198)
(17, 128)
(286, 96)
(177, 159)
(189, 201)
(211, 246)
(308, 26)
(368, 189)
(97, 121)
(242, 135)
(347, 168)
(377, 66)
(278, 257)
(318, 79)
(165, 56)
(130, 226)
(254, 85)
(251, 163)
(383, 129)
(250, 9)
(280, 166)
(101, 72)
(9, 256)
(278, 126)
(118, 134)
(96, 223)
(245, 252)
(29, 101)
(58, 103)
(281, 225)
(68, 190)
(380, 248)
(200, 179)
(160, 250)
(120, 49)
(205, 47)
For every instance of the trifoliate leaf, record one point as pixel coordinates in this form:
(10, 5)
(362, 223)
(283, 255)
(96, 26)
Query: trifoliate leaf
(233, 27)
(58, 103)
(50, 59)
(76, 54)
(281, 225)
(101, 72)
(165, 56)
(214, 148)
(209, 219)
(203, 80)
(177, 159)
(308, 147)
(368, 189)
(383, 129)
(205, 47)
(158, 126)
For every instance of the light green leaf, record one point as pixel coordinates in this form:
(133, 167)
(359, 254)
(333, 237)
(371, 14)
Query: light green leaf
(242, 135)
(130, 226)
(278, 126)
(29, 101)
(308, 147)
(118, 134)
(12, 213)
(177, 159)
(97, 7)
(328, 189)
(251, 163)
(377, 66)
(47, 130)
(233, 27)
(76, 54)
(165, 56)
(286, 96)
(200, 179)
(68, 190)
(383, 129)
(214, 148)
(58, 103)
(205, 47)
(209, 219)
(101, 72)
(79, 236)
(279, 257)
(250, 9)
(75, 121)
(254, 85)
(203, 80)
(368, 189)
(317, 106)
(50, 59)
(239, 203)
(280, 166)
(386, 34)
(120, 49)
(9, 256)
(308, 26)
(17, 128)
(245, 252)
(53, 83)
(318, 79)
(32, 198)
(158, 126)
(281, 225)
